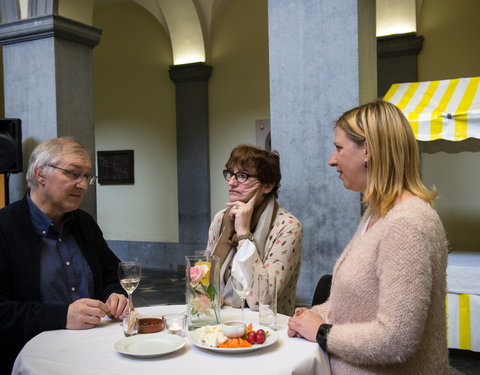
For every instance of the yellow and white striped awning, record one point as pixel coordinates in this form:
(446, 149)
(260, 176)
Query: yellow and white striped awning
(448, 109)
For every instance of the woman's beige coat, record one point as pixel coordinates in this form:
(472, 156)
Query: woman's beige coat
(387, 302)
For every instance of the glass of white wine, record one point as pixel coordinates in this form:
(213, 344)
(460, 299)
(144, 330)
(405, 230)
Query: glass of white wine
(129, 274)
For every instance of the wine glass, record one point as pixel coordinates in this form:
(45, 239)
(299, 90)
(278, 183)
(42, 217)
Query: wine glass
(242, 287)
(129, 274)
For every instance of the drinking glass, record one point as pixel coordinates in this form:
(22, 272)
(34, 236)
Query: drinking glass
(267, 300)
(131, 323)
(129, 274)
(242, 287)
(175, 323)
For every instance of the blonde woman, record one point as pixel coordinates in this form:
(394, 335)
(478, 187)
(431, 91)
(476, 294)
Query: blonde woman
(386, 310)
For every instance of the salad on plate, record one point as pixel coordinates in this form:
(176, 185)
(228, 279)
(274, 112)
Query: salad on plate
(213, 338)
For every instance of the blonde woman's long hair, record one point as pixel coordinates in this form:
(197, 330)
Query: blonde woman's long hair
(393, 164)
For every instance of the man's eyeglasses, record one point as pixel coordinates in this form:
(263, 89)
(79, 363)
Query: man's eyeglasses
(75, 176)
(241, 177)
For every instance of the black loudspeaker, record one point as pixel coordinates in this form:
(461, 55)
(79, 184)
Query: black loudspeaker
(11, 160)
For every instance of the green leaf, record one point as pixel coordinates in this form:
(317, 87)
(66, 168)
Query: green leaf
(211, 292)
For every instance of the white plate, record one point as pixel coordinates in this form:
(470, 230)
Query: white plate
(271, 339)
(151, 345)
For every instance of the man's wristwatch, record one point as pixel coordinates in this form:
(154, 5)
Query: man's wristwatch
(322, 335)
(248, 236)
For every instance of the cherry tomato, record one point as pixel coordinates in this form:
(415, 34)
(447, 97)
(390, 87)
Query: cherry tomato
(251, 337)
(260, 336)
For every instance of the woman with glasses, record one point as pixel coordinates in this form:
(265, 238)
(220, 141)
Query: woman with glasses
(386, 309)
(253, 220)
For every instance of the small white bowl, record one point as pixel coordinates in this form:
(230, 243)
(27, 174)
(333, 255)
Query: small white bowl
(233, 329)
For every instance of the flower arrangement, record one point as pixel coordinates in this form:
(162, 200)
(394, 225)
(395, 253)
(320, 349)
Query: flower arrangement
(203, 294)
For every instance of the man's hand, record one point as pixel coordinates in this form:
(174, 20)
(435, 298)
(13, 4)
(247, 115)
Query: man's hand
(117, 306)
(85, 313)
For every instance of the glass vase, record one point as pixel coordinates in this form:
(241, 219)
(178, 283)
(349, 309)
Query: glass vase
(202, 290)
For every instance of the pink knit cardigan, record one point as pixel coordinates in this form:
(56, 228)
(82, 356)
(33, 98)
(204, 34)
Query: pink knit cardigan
(387, 302)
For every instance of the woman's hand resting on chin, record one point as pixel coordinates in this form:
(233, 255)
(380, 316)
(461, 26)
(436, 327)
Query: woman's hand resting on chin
(241, 213)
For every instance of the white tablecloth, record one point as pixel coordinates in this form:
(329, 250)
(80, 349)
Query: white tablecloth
(92, 352)
(463, 273)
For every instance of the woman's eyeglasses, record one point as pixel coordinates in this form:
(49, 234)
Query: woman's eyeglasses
(75, 176)
(241, 177)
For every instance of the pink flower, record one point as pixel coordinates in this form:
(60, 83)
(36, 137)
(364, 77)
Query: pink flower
(197, 273)
(201, 303)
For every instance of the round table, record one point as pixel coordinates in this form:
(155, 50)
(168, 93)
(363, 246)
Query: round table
(92, 351)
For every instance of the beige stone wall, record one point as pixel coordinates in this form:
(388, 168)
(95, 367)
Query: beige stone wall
(239, 86)
(134, 101)
(451, 30)
(135, 108)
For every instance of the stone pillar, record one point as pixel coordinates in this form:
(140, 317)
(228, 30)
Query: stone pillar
(397, 60)
(47, 64)
(191, 95)
(322, 63)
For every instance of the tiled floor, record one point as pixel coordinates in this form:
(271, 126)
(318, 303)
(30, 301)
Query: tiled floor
(465, 362)
(168, 288)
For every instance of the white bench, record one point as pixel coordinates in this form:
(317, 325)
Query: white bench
(463, 301)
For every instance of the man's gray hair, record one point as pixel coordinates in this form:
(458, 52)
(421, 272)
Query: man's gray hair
(50, 152)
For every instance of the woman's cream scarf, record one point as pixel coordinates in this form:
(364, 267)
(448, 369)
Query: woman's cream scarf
(226, 246)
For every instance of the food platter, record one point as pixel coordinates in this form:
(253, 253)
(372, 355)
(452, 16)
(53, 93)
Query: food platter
(272, 337)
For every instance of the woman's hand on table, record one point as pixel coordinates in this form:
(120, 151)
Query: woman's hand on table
(304, 323)
(85, 313)
(291, 332)
(117, 306)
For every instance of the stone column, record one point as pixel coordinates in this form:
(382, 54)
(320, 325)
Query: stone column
(191, 95)
(47, 64)
(322, 63)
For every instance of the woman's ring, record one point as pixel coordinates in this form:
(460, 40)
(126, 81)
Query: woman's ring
(236, 207)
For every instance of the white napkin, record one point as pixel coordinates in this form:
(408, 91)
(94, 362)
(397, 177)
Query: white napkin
(242, 265)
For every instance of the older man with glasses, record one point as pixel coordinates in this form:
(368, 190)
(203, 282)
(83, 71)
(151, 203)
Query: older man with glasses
(56, 270)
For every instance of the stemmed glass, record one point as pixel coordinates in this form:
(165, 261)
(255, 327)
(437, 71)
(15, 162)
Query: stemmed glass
(242, 287)
(129, 274)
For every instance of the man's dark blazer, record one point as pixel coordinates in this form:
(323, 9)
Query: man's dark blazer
(22, 315)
